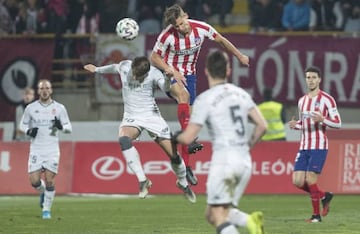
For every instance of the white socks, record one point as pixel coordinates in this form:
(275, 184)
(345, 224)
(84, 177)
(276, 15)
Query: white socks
(133, 162)
(48, 200)
(180, 172)
(237, 217)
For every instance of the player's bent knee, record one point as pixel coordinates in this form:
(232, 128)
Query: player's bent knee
(125, 142)
(36, 184)
(298, 183)
(50, 188)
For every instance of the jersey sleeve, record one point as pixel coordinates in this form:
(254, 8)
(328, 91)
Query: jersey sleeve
(298, 125)
(333, 119)
(64, 119)
(249, 101)
(199, 113)
(24, 123)
(161, 44)
(211, 33)
(108, 69)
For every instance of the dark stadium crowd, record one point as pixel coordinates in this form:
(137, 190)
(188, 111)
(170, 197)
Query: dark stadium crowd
(304, 15)
(90, 16)
(54, 16)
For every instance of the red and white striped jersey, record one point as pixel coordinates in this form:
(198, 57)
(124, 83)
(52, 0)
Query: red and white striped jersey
(313, 134)
(182, 52)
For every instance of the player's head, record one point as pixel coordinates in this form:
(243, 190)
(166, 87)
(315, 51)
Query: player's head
(28, 95)
(217, 65)
(176, 16)
(44, 90)
(140, 67)
(268, 93)
(313, 78)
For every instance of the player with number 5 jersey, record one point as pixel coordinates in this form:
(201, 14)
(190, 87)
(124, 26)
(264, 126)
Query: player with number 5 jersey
(226, 109)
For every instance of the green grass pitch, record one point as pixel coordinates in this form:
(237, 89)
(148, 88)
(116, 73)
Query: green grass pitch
(170, 214)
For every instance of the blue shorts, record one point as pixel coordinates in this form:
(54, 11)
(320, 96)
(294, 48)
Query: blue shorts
(191, 87)
(310, 160)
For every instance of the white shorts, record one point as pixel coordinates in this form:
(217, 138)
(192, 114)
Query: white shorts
(156, 126)
(41, 161)
(228, 176)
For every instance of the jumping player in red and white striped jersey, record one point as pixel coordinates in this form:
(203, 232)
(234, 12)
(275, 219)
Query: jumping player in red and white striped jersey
(317, 111)
(176, 52)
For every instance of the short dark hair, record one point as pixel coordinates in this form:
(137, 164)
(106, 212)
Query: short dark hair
(171, 14)
(268, 94)
(313, 69)
(216, 64)
(140, 66)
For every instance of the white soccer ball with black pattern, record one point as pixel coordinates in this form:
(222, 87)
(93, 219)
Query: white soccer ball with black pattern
(127, 29)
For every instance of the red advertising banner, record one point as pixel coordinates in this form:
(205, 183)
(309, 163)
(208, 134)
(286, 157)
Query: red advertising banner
(273, 167)
(99, 167)
(280, 61)
(342, 169)
(23, 62)
(14, 165)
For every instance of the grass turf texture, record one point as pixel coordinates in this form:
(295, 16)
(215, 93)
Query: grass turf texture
(170, 214)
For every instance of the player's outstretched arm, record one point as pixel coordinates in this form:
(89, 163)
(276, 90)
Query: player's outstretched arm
(243, 59)
(90, 67)
(107, 69)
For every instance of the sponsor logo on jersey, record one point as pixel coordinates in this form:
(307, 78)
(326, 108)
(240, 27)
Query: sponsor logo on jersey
(190, 51)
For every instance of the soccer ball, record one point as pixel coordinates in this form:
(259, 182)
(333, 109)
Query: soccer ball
(127, 29)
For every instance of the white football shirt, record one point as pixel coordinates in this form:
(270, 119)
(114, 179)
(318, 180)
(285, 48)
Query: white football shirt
(42, 116)
(138, 97)
(224, 109)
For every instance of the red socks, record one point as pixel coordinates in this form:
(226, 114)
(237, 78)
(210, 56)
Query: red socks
(183, 112)
(315, 194)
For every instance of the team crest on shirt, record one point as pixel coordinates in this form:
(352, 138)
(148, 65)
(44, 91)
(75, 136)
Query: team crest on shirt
(53, 111)
(317, 105)
(197, 41)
